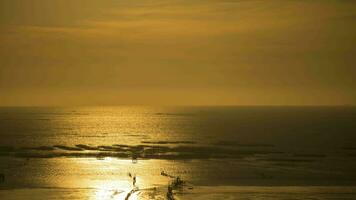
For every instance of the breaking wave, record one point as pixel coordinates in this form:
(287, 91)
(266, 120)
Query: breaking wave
(148, 150)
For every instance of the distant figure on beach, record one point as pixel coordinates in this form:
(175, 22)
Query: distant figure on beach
(134, 158)
(134, 181)
(170, 193)
(2, 178)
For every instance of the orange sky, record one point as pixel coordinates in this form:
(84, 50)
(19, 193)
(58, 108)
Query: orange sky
(178, 52)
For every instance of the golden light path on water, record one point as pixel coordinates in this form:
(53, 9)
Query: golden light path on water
(109, 189)
(112, 178)
(109, 177)
(119, 125)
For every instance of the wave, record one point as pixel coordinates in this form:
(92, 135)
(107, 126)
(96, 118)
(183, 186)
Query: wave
(168, 142)
(176, 114)
(235, 143)
(144, 151)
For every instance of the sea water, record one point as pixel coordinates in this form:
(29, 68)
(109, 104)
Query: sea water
(218, 152)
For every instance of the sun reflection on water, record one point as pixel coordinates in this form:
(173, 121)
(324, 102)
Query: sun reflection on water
(109, 190)
(112, 178)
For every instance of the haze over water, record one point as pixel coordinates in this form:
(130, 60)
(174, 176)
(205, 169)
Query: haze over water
(228, 152)
(58, 56)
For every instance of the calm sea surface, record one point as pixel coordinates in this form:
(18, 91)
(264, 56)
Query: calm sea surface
(219, 152)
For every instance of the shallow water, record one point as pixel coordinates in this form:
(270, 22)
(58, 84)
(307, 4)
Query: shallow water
(226, 152)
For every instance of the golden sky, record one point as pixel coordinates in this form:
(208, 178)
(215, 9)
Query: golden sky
(178, 52)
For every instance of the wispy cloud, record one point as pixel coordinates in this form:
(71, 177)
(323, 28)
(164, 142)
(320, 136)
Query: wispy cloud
(232, 45)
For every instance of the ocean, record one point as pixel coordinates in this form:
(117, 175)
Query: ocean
(137, 152)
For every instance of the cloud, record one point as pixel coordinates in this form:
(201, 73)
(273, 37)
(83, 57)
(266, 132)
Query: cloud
(244, 47)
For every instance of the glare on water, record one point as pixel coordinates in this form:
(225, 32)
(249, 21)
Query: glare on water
(111, 178)
(89, 153)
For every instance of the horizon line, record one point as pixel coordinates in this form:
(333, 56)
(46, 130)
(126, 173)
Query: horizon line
(187, 105)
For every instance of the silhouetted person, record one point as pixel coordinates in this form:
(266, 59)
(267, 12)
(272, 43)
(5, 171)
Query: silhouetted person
(134, 181)
(170, 193)
(134, 158)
